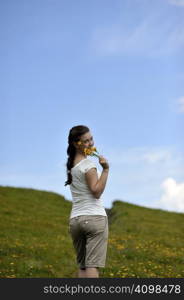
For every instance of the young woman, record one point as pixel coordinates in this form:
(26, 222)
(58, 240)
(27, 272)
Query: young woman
(88, 222)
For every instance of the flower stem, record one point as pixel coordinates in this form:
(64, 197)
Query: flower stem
(95, 154)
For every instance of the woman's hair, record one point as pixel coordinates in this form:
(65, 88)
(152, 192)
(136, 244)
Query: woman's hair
(74, 136)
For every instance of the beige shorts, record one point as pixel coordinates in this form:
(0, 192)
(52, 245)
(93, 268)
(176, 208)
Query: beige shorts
(90, 236)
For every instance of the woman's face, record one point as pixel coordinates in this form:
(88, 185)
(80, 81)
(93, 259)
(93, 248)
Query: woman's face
(87, 141)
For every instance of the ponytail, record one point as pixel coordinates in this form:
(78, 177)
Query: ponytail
(71, 155)
(74, 136)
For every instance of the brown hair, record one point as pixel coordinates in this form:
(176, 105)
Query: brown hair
(74, 136)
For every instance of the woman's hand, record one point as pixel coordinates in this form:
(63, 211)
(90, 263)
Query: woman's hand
(103, 162)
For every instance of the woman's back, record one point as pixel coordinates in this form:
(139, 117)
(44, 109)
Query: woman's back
(84, 202)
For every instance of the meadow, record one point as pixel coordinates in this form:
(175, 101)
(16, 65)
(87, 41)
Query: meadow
(35, 242)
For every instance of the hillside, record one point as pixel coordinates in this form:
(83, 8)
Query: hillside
(34, 239)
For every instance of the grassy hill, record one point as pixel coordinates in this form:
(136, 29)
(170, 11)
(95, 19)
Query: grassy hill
(34, 238)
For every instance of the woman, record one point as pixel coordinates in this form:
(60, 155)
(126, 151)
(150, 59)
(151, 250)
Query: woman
(88, 222)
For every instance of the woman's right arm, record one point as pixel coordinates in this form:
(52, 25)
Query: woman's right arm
(96, 185)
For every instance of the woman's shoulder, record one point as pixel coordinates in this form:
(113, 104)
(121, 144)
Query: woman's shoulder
(88, 164)
(83, 163)
(89, 161)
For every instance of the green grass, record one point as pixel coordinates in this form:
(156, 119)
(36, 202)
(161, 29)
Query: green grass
(34, 238)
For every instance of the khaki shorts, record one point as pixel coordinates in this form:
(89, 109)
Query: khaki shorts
(90, 236)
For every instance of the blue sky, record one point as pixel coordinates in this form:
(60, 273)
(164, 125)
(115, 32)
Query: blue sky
(114, 66)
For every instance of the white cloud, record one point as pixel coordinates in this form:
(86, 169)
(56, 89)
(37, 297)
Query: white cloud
(155, 156)
(173, 195)
(180, 102)
(177, 2)
(148, 155)
(154, 36)
(136, 174)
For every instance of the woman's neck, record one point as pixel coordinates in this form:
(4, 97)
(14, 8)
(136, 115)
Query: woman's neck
(79, 156)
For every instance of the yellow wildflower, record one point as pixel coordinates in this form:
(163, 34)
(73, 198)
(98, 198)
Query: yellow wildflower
(91, 151)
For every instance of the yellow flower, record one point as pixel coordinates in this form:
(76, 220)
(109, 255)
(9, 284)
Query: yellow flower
(91, 151)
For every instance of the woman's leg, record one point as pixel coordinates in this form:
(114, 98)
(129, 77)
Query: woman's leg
(88, 273)
(82, 273)
(92, 272)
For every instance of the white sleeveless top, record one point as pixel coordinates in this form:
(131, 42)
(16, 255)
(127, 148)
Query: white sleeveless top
(84, 203)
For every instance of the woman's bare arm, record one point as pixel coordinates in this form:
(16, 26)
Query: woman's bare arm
(96, 185)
